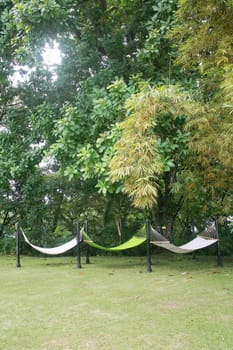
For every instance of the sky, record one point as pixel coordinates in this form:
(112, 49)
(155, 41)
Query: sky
(51, 58)
(52, 55)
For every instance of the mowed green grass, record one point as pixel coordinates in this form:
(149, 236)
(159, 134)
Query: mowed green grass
(114, 304)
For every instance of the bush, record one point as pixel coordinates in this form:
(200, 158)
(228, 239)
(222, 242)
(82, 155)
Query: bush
(226, 239)
(7, 245)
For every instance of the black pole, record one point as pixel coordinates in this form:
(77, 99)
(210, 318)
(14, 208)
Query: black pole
(17, 245)
(194, 256)
(78, 237)
(149, 269)
(219, 256)
(87, 246)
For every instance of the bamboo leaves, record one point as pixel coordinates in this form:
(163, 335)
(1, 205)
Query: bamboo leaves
(138, 161)
(204, 35)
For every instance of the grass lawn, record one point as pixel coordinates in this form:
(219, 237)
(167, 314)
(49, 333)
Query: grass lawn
(114, 304)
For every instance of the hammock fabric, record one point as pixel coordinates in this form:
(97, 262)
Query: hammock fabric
(52, 251)
(197, 243)
(131, 243)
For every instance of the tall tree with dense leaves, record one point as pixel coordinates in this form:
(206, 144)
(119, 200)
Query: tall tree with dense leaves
(100, 41)
(78, 114)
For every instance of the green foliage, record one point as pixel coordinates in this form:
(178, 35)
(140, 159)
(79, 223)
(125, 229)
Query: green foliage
(204, 36)
(136, 161)
(95, 163)
(156, 53)
(226, 237)
(150, 140)
(7, 245)
(68, 132)
(85, 142)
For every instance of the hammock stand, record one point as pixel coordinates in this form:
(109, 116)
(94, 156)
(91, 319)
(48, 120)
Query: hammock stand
(152, 237)
(81, 236)
(205, 239)
(133, 242)
(48, 251)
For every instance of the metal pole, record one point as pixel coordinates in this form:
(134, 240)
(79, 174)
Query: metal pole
(149, 269)
(219, 256)
(194, 254)
(18, 245)
(87, 246)
(78, 237)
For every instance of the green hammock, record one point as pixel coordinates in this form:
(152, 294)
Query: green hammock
(135, 241)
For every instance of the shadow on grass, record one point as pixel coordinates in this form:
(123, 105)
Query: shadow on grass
(164, 261)
(181, 262)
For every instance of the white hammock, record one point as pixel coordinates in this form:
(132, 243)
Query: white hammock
(197, 243)
(52, 251)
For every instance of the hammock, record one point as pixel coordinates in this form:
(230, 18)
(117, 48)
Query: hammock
(52, 251)
(131, 243)
(197, 243)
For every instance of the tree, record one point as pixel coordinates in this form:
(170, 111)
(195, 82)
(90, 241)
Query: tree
(203, 34)
(117, 69)
(95, 46)
(150, 156)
